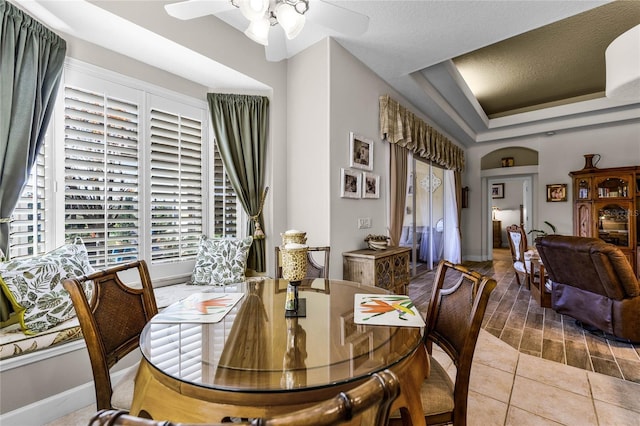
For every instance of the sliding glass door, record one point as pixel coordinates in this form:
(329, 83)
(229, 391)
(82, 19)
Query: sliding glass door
(424, 221)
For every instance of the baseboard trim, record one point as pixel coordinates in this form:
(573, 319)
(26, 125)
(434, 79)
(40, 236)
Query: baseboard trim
(56, 406)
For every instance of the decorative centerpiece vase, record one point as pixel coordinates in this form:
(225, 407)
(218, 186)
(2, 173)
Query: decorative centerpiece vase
(293, 236)
(294, 262)
(294, 269)
(589, 162)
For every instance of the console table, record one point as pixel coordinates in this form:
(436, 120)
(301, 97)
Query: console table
(388, 268)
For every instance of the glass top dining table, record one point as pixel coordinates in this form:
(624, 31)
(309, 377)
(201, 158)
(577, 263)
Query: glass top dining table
(255, 351)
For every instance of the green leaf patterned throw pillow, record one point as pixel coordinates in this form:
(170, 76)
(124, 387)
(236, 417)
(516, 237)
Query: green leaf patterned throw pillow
(221, 261)
(34, 285)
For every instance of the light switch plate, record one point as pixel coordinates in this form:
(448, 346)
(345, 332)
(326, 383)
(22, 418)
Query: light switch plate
(364, 222)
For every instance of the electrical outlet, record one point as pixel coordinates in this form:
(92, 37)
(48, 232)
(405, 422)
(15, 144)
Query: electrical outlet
(364, 222)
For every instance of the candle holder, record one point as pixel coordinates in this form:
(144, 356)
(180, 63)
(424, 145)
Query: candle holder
(294, 270)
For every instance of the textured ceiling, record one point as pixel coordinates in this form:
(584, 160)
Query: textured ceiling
(556, 64)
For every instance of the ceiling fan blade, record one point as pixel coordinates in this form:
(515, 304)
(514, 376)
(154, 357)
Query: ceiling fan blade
(337, 18)
(196, 8)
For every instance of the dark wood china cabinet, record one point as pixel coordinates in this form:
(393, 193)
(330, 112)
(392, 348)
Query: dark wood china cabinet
(607, 206)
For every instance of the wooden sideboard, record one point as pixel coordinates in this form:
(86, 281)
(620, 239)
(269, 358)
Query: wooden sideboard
(388, 268)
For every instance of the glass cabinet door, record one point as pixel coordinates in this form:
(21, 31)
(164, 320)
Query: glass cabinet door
(613, 187)
(613, 223)
(583, 188)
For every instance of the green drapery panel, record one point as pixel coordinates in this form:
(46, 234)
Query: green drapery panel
(31, 61)
(401, 126)
(240, 127)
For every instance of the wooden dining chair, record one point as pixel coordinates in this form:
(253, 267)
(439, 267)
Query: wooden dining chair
(373, 397)
(111, 323)
(520, 254)
(458, 303)
(314, 269)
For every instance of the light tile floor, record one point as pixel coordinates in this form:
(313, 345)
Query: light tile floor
(511, 388)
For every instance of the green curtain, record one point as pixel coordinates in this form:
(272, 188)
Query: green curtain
(31, 61)
(240, 127)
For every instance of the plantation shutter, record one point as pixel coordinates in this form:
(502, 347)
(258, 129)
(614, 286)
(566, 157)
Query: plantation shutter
(224, 200)
(26, 230)
(101, 175)
(176, 185)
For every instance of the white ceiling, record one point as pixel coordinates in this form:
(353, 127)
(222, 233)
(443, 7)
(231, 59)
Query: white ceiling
(409, 44)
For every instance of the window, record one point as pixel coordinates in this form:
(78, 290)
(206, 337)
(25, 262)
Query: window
(134, 167)
(224, 200)
(176, 186)
(26, 231)
(101, 175)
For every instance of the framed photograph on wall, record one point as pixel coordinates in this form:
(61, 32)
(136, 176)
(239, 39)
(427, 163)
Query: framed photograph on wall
(361, 152)
(497, 190)
(350, 185)
(557, 192)
(370, 185)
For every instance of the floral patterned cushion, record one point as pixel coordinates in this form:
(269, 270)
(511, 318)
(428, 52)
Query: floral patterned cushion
(34, 285)
(221, 261)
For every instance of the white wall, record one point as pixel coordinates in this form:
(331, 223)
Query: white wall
(619, 145)
(331, 93)
(308, 148)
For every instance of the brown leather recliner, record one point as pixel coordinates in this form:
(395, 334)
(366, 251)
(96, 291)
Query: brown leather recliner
(593, 282)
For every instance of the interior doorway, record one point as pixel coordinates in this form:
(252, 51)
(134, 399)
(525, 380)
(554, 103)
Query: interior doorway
(510, 201)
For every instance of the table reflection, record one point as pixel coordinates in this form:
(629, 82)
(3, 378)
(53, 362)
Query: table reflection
(255, 348)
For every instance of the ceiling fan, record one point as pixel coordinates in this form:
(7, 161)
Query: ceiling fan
(273, 22)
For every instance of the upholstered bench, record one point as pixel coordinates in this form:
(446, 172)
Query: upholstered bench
(210, 267)
(14, 342)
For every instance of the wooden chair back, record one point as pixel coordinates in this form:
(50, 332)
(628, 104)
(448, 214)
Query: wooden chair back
(456, 310)
(517, 242)
(112, 320)
(517, 239)
(314, 269)
(373, 398)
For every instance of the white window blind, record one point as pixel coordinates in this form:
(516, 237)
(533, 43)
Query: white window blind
(26, 231)
(101, 175)
(176, 185)
(224, 200)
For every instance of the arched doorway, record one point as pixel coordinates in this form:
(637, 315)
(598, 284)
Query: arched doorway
(509, 178)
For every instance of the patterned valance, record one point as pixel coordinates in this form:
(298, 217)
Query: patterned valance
(401, 126)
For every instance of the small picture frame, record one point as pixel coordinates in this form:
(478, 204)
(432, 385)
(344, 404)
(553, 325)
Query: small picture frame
(350, 183)
(507, 162)
(370, 185)
(361, 152)
(497, 190)
(557, 192)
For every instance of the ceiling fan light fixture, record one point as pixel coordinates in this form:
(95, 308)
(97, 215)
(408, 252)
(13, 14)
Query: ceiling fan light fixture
(290, 20)
(253, 9)
(622, 59)
(258, 31)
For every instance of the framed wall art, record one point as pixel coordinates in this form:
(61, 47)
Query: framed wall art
(497, 190)
(361, 152)
(370, 185)
(557, 192)
(350, 185)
